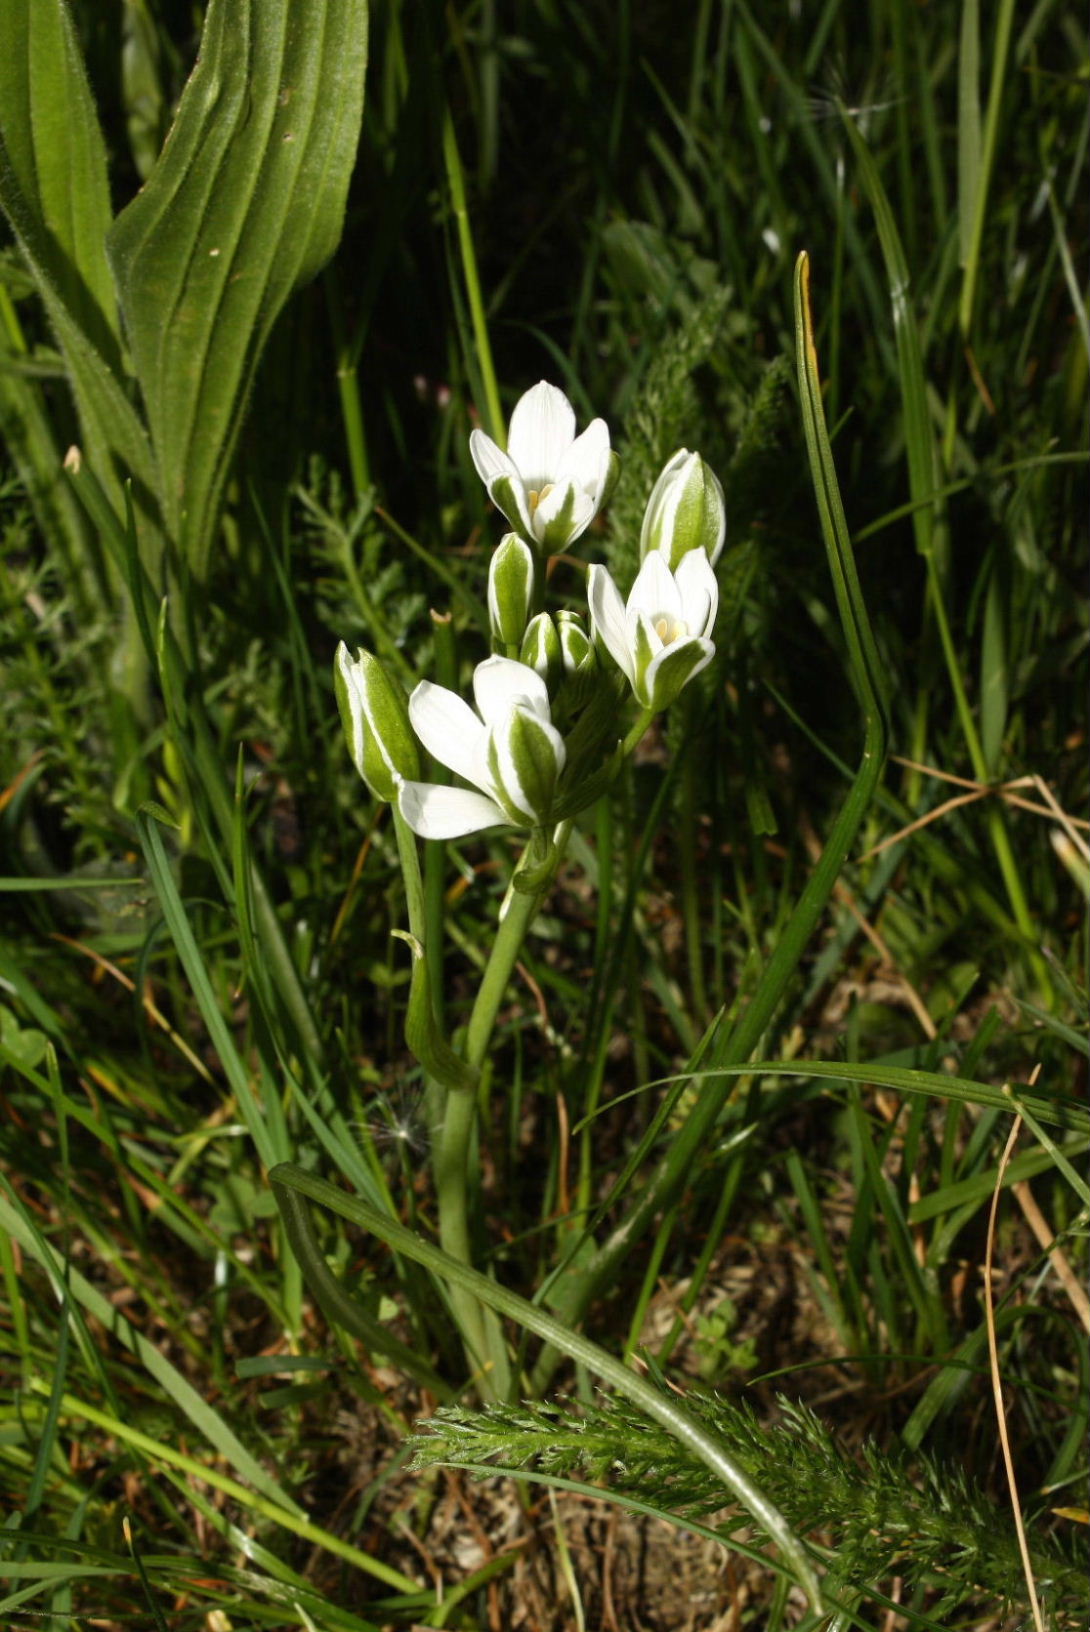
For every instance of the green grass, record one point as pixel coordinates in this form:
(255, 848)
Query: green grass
(740, 1120)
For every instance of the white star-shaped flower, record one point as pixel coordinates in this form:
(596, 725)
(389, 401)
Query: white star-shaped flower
(550, 484)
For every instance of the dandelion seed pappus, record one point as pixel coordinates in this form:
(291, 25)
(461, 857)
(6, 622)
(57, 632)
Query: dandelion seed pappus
(397, 1122)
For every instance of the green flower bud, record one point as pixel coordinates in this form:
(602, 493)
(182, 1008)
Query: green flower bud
(510, 589)
(375, 718)
(542, 650)
(578, 654)
(686, 511)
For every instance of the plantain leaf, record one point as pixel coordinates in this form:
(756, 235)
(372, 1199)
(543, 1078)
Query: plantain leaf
(53, 190)
(245, 202)
(54, 162)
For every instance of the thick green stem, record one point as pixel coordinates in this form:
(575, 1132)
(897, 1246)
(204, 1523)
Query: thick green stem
(454, 1154)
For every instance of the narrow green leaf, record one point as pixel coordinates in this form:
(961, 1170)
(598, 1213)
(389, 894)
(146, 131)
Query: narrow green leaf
(185, 941)
(968, 127)
(53, 191)
(28, 435)
(245, 203)
(994, 678)
(989, 141)
(207, 1422)
(919, 441)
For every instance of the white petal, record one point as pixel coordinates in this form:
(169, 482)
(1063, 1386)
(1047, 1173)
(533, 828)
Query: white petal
(670, 655)
(607, 614)
(561, 494)
(447, 813)
(655, 591)
(490, 460)
(699, 591)
(587, 460)
(542, 431)
(500, 682)
(447, 727)
(530, 797)
(654, 641)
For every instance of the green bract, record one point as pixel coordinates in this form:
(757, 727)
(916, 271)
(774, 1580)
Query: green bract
(376, 722)
(686, 511)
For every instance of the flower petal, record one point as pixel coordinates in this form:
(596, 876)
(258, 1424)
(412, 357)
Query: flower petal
(607, 614)
(562, 515)
(447, 727)
(542, 430)
(699, 591)
(673, 668)
(490, 460)
(586, 461)
(655, 592)
(525, 757)
(435, 812)
(500, 683)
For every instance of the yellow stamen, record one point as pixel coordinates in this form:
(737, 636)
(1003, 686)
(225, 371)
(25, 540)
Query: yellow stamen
(670, 629)
(535, 497)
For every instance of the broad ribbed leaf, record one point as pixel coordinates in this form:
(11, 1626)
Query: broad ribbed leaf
(54, 193)
(53, 162)
(245, 203)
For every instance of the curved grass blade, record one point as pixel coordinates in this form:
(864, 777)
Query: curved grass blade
(289, 1181)
(244, 204)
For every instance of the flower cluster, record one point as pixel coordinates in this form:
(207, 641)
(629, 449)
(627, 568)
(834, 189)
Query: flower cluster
(549, 484)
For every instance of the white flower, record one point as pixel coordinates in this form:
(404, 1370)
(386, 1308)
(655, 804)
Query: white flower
(686, 511)
(512, 753)
(662, 637)
(550, 484)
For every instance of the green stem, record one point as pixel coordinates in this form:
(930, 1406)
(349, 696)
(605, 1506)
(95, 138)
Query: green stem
(452, 1164)
(690, 887)
(456, 178)
(452, 1154)
(348, 384)
(640, 728)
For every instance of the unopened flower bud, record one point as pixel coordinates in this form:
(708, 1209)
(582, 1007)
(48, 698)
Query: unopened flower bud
(575, 646)
(686, 511)
(510, 589)
(542, 650)
(375, 718)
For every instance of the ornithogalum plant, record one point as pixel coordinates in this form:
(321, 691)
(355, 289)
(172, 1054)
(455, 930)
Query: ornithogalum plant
(547, 679)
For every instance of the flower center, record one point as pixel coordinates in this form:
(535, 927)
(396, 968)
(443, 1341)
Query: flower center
(536, 497)
(670, 629)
